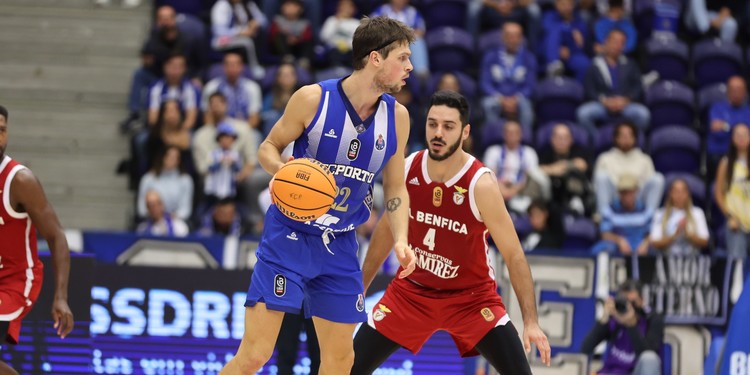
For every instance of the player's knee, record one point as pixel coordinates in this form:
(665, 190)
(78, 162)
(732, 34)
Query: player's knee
(252, 362)
(343, 359)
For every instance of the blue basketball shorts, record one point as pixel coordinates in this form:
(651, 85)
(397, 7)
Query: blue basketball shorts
(296, 271)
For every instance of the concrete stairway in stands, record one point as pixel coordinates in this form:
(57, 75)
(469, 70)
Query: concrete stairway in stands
(65, 69)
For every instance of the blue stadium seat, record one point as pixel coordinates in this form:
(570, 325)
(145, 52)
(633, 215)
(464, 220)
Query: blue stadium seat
(715, 61)
(580, 233)
(439, 13)
(303, 77)
(671, 102)
(492, 134)
(489, 40)
(557, 99)
(450, 49)
(675, 148)
(669, 57)
(707, 96)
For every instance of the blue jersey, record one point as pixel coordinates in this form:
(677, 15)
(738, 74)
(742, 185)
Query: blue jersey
(355, 150)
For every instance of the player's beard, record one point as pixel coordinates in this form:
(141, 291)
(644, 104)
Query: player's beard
(381, 84)
(448, 152)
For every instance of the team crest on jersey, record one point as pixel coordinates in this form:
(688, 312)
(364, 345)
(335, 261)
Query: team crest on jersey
(279, 285)
(487, 314)
(437, 196)
(380, 313)
(360, 303)
(380, 143)
(458, 195)
(353, 151)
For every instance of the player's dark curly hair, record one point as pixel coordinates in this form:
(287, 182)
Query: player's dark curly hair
(4, 112)
(452, 99)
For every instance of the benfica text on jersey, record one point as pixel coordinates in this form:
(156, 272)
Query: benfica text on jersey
(446, 232)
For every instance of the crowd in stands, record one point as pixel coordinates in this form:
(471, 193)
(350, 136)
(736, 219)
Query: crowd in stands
(611, 125)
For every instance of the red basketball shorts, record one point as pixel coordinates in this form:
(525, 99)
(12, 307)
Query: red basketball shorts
(409, 314)
(14, 306)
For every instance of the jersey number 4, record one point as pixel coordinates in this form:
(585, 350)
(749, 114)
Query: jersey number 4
(429, 239)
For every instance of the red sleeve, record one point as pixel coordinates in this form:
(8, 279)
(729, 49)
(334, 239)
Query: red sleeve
(307, 35)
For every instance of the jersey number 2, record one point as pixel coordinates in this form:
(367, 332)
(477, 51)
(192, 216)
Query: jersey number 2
(429, 239)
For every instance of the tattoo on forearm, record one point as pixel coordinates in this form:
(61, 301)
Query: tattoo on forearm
(393, 204)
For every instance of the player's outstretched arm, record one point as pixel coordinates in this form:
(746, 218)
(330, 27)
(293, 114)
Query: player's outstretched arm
(496, 218)
(28, 192)
(381, 243)
(396, 195)
(299, 112)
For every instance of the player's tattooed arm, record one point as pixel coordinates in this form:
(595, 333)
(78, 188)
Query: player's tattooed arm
(393, 204)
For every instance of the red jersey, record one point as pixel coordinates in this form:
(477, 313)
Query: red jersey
(446, 231)
(19, 263)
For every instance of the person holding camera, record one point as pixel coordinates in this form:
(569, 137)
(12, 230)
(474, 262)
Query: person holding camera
(634, 337)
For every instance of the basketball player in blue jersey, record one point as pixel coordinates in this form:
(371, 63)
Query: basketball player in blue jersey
(356, 128)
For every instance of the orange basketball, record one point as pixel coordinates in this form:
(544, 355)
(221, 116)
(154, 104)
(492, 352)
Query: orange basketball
(303, 189)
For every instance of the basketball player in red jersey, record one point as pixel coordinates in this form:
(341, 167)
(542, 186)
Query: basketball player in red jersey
(455, 202)
(23, 209)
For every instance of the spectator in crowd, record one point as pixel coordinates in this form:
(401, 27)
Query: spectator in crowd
(565, 41)
(174, 86)
(226, 163)
(613, 86)
(615, 19)
(243, 95)
(223, 219)
(567, 165)
(291, 34)
(625, 158)
(284, 85)
(174, 186)
(634, 336)
(158, 222)
(234, 24)
(406, 98)
(625, 229)
(733, 192)
(402, 11)
(494, 14)
(720, 17)
(679, 228)
(169, 131)
(164, 41)
(724, 115)
(547, 229)
(507, 79)
(338, 32)
(517, 169)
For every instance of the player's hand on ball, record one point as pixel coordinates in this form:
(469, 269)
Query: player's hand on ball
(533, 334)
(62, 316)
(406, 258)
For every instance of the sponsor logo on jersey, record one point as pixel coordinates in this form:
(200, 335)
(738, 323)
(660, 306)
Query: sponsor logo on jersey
(353, 151)
(292, 236)
(439, 221)
(458, 195)
(437, 196)
(414, 181)
(279, 285)
(380, 143)
(360, 303)
(331, 134)
(436, 264)
(487, 314)
(358, 174)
